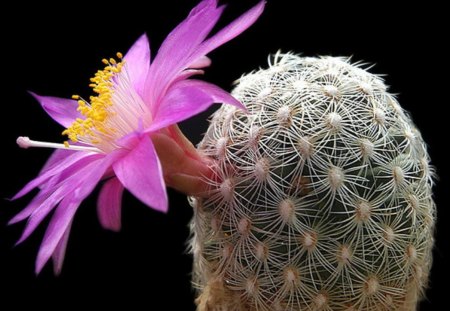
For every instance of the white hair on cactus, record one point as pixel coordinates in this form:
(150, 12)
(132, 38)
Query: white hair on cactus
(321, 198)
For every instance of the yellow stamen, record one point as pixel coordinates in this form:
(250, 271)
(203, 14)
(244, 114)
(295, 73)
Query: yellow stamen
(96, 112)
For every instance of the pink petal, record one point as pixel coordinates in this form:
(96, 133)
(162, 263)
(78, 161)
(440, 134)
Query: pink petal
(188, 98)
(230, 32)
(57, 157)
(140, 172)
(137, 63)
(31, 207)
(56, 230)
(201, 62)
(174, 52)
(60, 251)
(109, 205)
(65, 174)
(55, 170)
(55, 194)
(64, 111)
(187, 73)
(42, 211)
(82, 185)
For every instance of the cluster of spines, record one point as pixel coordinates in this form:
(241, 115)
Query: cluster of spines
(322, 194)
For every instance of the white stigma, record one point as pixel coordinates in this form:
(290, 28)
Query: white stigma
(26, 142)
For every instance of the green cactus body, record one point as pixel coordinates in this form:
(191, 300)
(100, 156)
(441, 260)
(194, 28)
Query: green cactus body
(321, 198)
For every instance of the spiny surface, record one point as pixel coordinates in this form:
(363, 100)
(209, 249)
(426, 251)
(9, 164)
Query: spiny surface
(322, 195)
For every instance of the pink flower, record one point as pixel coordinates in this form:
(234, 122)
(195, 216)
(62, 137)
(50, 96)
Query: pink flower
(113, 134)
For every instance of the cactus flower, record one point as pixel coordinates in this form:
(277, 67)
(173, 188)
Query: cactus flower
(110, 135)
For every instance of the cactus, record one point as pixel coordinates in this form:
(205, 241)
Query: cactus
(321, 195)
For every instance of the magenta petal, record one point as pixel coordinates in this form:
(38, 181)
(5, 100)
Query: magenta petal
(42, 211)
(57, 193)
(56, 229)
(60, 251)
(82, 184)
(64, 111)
(188, 98)
(173, 55)
(201, 62)
(137, 63)
(56, 158)
(229, 32)
(54, 170)
(140, 172)
(109, 205)
(72, 170)
(187, 73)
(31, 207)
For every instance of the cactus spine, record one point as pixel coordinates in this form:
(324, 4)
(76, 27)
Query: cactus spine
(321, 198)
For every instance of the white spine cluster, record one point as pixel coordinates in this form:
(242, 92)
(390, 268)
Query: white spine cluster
(321, 199)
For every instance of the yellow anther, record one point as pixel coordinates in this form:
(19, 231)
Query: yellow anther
(92, 127)
(66, 144)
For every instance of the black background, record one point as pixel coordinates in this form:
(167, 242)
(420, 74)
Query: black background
(53, 50)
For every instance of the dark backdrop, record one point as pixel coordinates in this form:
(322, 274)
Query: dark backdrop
(55, 49)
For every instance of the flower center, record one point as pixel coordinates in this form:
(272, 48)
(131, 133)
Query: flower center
(94, 127)
(115, 111)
